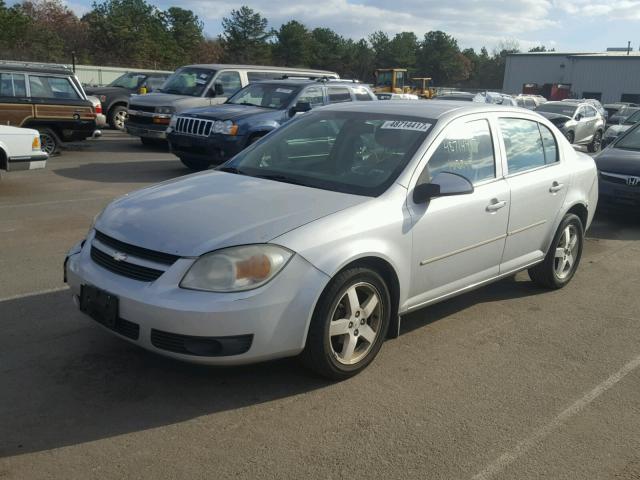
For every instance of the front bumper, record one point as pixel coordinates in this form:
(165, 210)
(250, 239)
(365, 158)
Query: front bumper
(275, 317)
(34, 161)
(149, 130)
(615, 193)
(217, 147)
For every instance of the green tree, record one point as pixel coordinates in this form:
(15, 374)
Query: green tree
(185, 29)
(326, 49)
(403, 49)
(381, 46)
(440, 58)
(293, 45)
(245, 37)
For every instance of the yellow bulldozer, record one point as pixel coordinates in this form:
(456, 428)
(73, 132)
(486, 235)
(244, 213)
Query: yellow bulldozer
(396, 81)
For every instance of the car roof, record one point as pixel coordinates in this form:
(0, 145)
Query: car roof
(50, 70)
(421, 108)
(308, 81)
(224, 66)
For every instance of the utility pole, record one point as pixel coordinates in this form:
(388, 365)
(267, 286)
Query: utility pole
(628, 47)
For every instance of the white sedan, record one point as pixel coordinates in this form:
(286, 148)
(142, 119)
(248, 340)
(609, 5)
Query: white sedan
(20, 149)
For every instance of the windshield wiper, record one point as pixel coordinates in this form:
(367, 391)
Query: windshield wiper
(281, 178)
(235, 170)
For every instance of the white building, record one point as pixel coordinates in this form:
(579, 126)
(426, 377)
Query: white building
(608, 77)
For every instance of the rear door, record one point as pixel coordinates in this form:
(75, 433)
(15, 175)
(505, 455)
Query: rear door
(15, 107)
(538, 182)
(55, 98)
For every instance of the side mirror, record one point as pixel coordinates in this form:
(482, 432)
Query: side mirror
(300, 107)
(218, 89)
(442, 185)
(579, 117)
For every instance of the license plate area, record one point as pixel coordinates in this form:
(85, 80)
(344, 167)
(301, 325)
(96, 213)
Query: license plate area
(102, 306)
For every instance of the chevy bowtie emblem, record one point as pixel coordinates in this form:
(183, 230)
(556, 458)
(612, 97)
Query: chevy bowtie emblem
(633, 181)
(119, 256)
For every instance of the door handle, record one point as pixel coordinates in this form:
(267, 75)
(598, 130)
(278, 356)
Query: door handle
(556, 187)
(495, 205)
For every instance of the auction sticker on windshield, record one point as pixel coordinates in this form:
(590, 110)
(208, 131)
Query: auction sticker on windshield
(405, 125)
(283, 90)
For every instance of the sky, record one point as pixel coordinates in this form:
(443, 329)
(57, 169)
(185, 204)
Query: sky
(566, 25)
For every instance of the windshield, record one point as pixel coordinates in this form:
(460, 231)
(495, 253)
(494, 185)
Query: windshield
(631, 140)
(265, 95)
(633, 118)
(562, 109)
(188, 81)
(128, 80)
(360, 153)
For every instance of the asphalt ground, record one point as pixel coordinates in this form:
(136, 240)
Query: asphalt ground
(507, 382)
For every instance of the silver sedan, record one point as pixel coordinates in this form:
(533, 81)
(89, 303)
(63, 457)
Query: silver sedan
(318, 238)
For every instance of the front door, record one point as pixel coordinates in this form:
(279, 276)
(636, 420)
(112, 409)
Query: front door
(458, 240)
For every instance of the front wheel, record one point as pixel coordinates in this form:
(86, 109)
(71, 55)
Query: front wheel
(563, 256)
(596, 143)
(349, 324)
(570, 136)
(117, 117)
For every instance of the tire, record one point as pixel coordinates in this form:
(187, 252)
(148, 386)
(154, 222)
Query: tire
(551, 273)
(117, 116)
(570, 136)
(49, 141)
(346, 349)
(195, 164)
(596, 143)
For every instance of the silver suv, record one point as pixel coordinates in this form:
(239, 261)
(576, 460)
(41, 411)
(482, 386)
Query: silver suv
(581, 123)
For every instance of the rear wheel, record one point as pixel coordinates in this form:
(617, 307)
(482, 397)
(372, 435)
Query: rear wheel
(195, 164)
(49, 141)
(117, 117)
(569, 136)
(596, 142)
(349, 324)
(563, 256)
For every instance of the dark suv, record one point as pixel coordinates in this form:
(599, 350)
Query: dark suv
(206, 136)
(48, 98)
(115, 96)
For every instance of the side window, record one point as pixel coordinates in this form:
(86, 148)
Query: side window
(12, 85)
(52, 87)
(362, 94)
(230, 82)
(313, 95)
(589, 112)
(549, 145)
(523, 144)
(581, 113)
(339, 94)
(466, 150)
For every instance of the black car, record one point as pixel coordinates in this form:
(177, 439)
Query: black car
(206, 136)
(115, 96)
(619, 172)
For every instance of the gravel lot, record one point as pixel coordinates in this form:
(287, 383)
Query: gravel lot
(506, 382)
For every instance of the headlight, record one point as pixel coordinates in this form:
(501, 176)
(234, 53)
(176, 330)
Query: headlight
(237, 268)
(165, 110)
(226, 127)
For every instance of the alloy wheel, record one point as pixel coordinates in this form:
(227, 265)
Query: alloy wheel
(119, 119)
(355, 323)
(47, 143)
(566, 250)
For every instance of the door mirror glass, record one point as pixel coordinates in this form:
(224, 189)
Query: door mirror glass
(579, 116)
(442, 185)
(300, 107)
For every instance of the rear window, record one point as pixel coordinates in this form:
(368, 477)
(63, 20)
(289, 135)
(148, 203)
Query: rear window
(523, 144)
(12, 85)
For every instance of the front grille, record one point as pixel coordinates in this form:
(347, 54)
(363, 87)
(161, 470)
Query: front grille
(140, 252)
(193, 126)
(126, 269)
(201, 346)
(142, 108)
(140, 119)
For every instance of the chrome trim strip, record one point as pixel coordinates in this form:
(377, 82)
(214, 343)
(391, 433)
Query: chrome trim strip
(426, 303)
(461, 250)
(617, 175)
(520, 230)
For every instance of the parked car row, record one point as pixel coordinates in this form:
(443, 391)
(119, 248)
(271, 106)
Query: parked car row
(579, 121)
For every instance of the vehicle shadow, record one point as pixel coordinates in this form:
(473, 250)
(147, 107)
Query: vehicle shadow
(517, 286)
(612, 225)
(115, 144)
(65, 381)
(125, 172)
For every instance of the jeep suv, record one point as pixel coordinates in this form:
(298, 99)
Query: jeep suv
(581, 123)
(48, 98)
(198, 86)
(207, 136)
(115, 96)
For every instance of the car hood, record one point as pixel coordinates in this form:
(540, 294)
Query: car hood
(178, 102)
(226, 111)
(106, 90)
(207, 211)
(616, 160)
